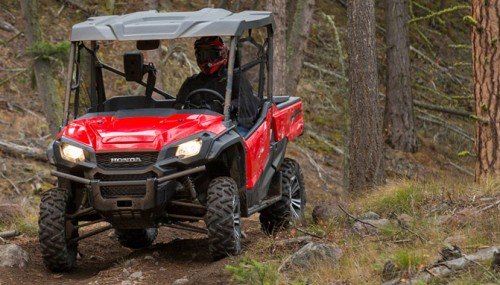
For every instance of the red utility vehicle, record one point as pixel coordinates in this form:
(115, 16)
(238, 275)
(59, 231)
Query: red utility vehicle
(135, 163)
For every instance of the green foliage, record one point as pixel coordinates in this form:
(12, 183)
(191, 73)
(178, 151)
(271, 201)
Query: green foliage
(470, 20)
(464, 153)
(408, 260)
(401, 200)
(252, 272)
(50, 51)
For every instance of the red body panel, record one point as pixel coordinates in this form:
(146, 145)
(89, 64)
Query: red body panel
(288, 122)
(257, 151)
(108, 133)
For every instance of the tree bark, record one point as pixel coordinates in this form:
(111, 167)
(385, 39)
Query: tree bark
(298, 43)
(399, 122)
(365, 161)
(279, 46)
(45, 81)
(486, 69)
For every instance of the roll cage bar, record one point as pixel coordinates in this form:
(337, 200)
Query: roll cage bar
(97, 92)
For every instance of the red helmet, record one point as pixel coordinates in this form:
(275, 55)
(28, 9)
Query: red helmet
(211, 54)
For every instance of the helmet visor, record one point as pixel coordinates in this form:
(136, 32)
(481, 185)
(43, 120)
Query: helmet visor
(207, 55)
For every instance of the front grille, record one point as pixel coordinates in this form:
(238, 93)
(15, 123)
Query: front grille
(122, 191)
(138, 159)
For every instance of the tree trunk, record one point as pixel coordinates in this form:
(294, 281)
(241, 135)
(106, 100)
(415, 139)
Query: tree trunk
(279, 46)
(291, 7)
(298, 43)
(45, 81)
(365, 161)
(486, 68)
(399, 122)
(155, 55)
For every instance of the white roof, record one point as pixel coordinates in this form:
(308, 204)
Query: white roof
(153, 25)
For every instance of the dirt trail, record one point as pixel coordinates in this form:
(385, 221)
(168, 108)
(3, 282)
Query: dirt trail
(174, 255)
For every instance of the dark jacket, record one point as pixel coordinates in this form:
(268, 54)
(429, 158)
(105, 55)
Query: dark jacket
(244, 105)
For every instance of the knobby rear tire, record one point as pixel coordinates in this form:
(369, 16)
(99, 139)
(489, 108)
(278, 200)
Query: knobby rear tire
(293, 200)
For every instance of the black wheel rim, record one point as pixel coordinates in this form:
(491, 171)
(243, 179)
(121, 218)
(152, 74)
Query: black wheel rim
(295, 198)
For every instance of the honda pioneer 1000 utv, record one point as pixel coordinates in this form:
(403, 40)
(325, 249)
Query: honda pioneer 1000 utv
(134, 163)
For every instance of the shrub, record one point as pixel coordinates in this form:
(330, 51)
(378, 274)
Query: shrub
(250, 271)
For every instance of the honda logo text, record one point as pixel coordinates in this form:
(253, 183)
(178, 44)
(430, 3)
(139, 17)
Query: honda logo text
(125, 159)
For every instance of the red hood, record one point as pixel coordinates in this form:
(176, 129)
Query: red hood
(138, 133)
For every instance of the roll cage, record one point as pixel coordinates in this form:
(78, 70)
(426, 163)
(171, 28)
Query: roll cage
(152, 25)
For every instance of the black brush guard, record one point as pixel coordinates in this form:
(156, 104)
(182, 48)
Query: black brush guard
(131, 211)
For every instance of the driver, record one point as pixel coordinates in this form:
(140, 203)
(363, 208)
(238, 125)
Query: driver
(212, 58)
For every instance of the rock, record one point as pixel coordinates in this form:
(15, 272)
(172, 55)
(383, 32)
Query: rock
(129, 262)
(136, 275)
(149, 257)
(405, 220)
(127, 282)
(462, 217)
(112, 235)
(9, 212)
(450, 253)
(367, 230)
(369, 216)
(495, 263)
(324, 213)
(310, 255)
(13, 255)
(182, 281)
(125, 273)
(390, 271)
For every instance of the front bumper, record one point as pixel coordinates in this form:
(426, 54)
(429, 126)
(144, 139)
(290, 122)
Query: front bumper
(130, 211)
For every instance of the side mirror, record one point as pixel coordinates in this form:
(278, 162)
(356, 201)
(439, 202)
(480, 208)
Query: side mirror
(148, 45)
(133, 63)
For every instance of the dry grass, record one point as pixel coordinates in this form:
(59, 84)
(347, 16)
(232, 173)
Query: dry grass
(441, 209)
(27, 222)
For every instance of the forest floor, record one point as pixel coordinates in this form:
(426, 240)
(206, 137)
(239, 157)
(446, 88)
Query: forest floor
(430, 193)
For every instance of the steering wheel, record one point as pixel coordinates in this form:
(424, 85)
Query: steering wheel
(216, 97)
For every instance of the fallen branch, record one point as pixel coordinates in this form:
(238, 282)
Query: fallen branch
(462, 169)
(489, 206)
(323, 70)
(319, 169)
(11, 183)
(9, 234)
(6, 26)
(436, 120)
(354, 218)
(455, 77)
(318, 137)
(446, 268)
(308, 233)
(443, 109)
(11, 77)
(25, 151)
(12, 106)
